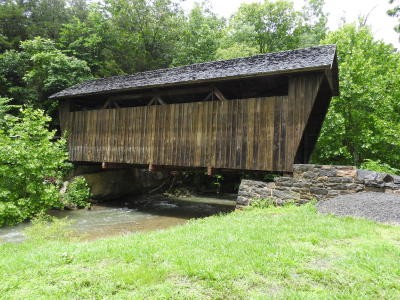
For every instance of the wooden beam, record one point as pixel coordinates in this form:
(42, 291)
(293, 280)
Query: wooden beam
(151, 101)
(208, 96)
(159, 100)
(219, 94)
(106, 104)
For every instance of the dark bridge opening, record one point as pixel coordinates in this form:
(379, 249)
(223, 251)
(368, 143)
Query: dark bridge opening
(228, 89)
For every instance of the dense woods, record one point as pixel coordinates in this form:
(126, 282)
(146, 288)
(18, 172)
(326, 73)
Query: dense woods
(48, 45)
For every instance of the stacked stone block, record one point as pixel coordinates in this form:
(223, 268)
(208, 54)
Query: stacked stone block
(317, 182)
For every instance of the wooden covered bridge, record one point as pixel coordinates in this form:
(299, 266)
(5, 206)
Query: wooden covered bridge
(262, 112)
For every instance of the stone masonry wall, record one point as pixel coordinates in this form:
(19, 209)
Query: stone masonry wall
(317, 182)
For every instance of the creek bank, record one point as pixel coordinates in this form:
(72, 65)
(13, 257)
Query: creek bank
(321, 182)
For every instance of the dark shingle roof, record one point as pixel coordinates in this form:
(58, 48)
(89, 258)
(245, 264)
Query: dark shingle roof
(280, 62)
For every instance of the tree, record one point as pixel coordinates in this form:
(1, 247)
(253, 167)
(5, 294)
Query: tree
(235, 50)
(315, 23)
(146, 33)
(46, 17)
(199, 41)
(13, 27)
(274, 26)
(271, 26)
(395, 12)
(91, 40)
(39, 70)
(364, 121)
(31, 166)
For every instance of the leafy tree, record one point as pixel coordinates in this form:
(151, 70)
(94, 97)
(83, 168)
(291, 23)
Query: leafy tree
(200, 37)
(315, 23)
(146, 32)
(91, 40)
(395, 12)
(364, 121)
(26, 19)
(274, 26)
(5, 108)
(235, 50)
(13, 25)
(270, 26)
(46, 17)
(38, 71)
(31, 166)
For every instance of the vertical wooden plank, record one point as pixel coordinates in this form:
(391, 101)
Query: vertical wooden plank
(250, 135)
(245, 134)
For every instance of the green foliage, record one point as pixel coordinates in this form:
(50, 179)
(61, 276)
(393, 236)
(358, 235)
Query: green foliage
(39, 70)
(378, 166)
(364, 121)
(145, 32)
(77, 193)
(235, 50)
(273, 26)
(45, 228)
(31, 166)
(395, 12)
(51, 70)
(262, 203)
(217, 181)
(13, 27)
(91, 40)
(5, 108)
(202, 32)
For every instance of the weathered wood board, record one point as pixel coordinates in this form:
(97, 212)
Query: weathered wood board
(248, 134)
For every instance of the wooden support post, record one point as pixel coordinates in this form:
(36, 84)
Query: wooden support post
(151, 167)
(210, 171)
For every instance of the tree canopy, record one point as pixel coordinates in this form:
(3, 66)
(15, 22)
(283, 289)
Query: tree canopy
(364, 121)
(395, 12)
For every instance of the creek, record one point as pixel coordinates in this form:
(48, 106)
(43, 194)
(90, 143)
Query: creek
(123, 217)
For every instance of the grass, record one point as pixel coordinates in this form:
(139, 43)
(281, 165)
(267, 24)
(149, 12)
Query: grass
(288, 252)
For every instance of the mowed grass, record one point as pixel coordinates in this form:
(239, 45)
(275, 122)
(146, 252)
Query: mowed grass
(287, 252)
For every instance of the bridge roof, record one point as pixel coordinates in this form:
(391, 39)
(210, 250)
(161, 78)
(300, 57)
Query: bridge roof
(299, 60)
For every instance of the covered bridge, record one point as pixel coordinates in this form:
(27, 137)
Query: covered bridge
(262, 112)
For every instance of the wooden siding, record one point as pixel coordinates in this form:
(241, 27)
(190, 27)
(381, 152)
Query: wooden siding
(252, 134)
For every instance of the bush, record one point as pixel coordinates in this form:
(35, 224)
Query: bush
(77, 193)
(262, 203)
(378, 166)
(46, 228)
(32, 164)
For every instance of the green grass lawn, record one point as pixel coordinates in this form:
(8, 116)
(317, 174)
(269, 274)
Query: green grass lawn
(287, 252)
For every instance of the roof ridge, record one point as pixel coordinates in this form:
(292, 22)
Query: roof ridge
(217, 61)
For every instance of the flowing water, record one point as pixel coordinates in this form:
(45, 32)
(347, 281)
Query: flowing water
(120, 217)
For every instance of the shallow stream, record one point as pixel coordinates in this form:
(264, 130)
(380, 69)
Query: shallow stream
(121, 217)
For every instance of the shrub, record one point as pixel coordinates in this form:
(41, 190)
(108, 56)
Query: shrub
(46, 228)
(77, 193)
(262, 203)
(32, 164)
(378, 166)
